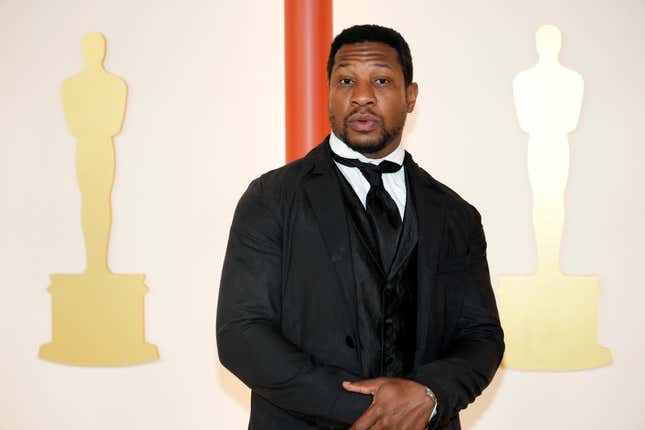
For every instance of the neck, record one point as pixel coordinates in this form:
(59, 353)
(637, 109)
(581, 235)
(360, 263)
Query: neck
(380, 154)
(547, 60)
(93, 66)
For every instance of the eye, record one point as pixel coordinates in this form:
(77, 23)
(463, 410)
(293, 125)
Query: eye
(345, 81)
(382, 81)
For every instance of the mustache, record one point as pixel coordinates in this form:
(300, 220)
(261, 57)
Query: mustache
(363, 110)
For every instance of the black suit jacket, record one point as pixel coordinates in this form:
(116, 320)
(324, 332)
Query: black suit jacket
(286, 317)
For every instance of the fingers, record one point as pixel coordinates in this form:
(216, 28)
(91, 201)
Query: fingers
(369, 418)
(365, 386)
(358, 387)
(398, 405)
(375, 418)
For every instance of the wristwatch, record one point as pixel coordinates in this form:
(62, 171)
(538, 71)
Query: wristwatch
(430, 394)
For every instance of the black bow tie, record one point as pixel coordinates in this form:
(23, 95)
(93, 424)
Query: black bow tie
(382, 211)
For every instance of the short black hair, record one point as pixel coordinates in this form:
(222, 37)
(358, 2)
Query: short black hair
(373, 33)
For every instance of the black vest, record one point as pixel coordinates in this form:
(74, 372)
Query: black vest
(386, 301)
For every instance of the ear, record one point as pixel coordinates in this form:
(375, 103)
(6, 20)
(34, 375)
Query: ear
(411, 92)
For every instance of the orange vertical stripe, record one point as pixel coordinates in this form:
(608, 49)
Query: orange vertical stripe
(308, 34)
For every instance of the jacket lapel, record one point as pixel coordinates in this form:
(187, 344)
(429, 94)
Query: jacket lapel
(429, 202)
(324, 194)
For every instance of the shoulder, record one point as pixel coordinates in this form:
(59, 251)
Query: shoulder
(461, 231)
(287, 178)
(288, 175)
(452, 201)
(462, 219)
(275, 188)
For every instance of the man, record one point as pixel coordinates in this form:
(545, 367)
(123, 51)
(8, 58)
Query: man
(355, 289)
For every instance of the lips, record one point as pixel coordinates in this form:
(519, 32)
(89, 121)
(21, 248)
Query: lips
(363, 122)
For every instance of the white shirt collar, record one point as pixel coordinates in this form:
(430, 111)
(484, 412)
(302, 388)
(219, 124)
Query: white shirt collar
(340, 148)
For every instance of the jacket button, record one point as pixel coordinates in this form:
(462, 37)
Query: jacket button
(350, 342)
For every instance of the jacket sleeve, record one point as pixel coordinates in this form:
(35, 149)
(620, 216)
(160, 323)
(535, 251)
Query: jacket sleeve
(249, 339)
(477, 345)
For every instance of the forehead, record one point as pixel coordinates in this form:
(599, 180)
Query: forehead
(366, 52)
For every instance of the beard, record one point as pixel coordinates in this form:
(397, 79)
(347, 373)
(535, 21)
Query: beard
(378, 143)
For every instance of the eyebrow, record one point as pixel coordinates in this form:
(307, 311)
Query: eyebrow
(387, 66)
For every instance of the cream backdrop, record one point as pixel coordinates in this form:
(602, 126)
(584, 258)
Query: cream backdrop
(205, 116)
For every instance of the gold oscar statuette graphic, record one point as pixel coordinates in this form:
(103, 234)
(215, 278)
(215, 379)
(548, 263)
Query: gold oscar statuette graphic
(97, 315)
(549, 318)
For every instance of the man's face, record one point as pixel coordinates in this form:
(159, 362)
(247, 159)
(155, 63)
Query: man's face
(368, 98)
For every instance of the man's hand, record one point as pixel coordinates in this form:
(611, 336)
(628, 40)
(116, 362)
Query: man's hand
(398, 403)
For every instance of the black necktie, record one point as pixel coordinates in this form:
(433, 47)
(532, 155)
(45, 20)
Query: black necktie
(382, 212)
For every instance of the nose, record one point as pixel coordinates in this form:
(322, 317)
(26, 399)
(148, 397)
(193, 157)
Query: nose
(363, 94)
